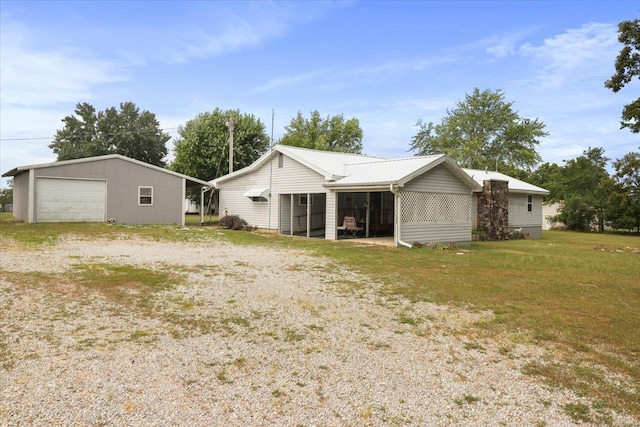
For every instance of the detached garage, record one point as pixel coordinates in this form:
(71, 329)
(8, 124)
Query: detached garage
(97, 189)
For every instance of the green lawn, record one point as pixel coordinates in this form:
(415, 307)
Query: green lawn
(575, 294)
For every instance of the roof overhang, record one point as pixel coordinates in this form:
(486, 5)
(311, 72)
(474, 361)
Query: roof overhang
(358, 187)
(190, 181)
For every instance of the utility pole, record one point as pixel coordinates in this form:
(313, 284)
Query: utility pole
(230, 125)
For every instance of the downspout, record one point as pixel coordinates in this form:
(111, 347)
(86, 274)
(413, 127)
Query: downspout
(398, 230)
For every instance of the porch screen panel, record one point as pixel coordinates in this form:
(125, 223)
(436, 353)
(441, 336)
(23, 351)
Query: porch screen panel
(435, 208)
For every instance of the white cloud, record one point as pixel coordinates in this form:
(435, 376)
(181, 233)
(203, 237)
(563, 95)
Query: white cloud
(235, 33)
(575, 55)
(37, 76)
(285, 81)
(337, 78)
(221, 29)
(40, 85)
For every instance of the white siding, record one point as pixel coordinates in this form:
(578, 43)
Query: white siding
(438, 180)
(518, 214)
(330, 231)
(427, 225)
(520, 217)
(437, 233)
(291, 178)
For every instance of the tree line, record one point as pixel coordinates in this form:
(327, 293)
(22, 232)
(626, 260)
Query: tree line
(481, 131)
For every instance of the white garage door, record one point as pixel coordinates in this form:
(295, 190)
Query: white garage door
(70, 200)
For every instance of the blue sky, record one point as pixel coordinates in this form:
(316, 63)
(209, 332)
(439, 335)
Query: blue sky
(386, 63)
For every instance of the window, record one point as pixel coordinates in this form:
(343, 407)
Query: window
(280, 160)
(302, 200)
(258, 199)
(529, 203)
(145, 196)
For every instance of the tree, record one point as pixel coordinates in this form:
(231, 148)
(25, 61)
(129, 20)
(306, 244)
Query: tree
(330, 134)
(627, 68)
(128, 132)
(550, 177)
(6, 195)
(202, 149)
(624, 203)
(584, 188)
(482, 132)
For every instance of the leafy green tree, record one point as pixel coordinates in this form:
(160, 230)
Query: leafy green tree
(483, 131)
(128, 132)
(202, 148)
(624, 203)
(550, 177)
(330, 134)
(584, 187)
(627, 68)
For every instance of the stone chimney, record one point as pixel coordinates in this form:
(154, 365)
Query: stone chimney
(493, 210)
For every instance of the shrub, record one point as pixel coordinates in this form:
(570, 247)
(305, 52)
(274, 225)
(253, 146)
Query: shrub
(234, 222)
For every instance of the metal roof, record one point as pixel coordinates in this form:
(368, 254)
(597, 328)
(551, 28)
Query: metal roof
(515, 185)
(356, 170)
(397, 171)
(329, 164)
(19, 169)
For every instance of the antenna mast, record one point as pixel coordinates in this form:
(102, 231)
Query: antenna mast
(230, 125)
(273, 114)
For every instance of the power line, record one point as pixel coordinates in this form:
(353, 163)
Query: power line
(51, 137)
(22, 139)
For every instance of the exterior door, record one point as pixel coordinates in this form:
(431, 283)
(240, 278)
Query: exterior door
(70, 200)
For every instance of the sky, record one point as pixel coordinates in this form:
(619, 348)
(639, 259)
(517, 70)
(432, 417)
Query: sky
(386, 63)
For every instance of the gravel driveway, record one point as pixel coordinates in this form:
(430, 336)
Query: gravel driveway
(245, 336)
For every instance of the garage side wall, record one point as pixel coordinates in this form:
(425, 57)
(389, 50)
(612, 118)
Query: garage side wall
(21, 196)
(123, 179)
(435, 208)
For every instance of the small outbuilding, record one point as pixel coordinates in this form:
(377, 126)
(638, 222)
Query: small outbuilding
(98, 189)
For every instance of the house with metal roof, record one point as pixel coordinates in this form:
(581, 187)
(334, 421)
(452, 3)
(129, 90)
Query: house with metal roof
(297, 191)
(97, 189)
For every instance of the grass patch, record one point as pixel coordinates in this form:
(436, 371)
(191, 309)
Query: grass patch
(407, 320)
(466, 399)
(125, 285)
(578, 412)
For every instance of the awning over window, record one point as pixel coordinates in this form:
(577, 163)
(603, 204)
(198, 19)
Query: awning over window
(257, 192)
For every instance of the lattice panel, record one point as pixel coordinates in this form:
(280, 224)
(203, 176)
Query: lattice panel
(435, 207)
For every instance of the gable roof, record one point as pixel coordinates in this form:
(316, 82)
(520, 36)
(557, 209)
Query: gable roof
(515, 185)
(189, 179)
(347, 170)
(398, 171)
(329, 164)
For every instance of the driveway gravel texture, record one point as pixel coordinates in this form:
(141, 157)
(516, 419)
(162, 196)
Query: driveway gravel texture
(245, 336)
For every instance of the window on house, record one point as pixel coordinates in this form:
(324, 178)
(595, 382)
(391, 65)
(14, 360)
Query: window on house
(259, 199)
(302, 200)
(145, 196)
(280, 160)
(529, 203)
